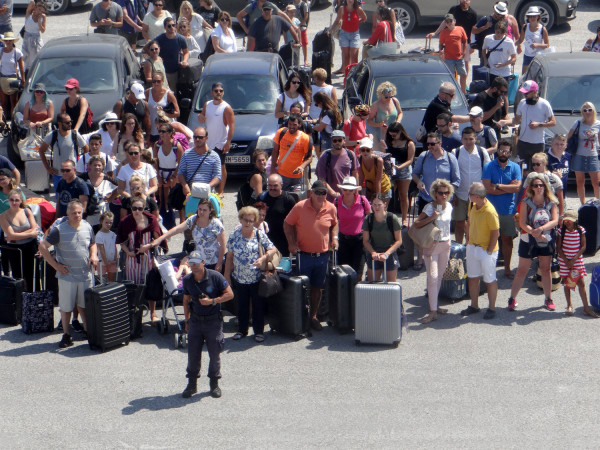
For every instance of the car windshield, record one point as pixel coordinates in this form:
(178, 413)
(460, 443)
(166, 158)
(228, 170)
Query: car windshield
(569, 93)
(93, 74)
(415, 91)
(247, 94)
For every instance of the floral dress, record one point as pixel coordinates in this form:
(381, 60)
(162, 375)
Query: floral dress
(207, 237)
(245, 252)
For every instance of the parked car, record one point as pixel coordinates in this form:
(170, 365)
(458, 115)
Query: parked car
(417, 79)
(53, 6)
(252, 83)
(429, 12)
(104, 64)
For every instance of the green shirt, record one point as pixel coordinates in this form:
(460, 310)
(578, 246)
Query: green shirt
(380, 237)
(4, 205)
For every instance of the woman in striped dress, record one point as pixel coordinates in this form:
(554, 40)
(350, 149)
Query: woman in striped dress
(136, 230)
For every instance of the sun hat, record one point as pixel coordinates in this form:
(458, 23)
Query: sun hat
(349, 183)
(501, 8)
(533, 11)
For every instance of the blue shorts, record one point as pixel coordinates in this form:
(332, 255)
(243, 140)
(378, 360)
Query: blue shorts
(585, 164)
(527, 60)
(404, 174)
(314, 267)
(457, 65)
(350, 39)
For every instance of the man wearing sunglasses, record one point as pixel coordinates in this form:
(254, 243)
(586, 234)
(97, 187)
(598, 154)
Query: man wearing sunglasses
(335, 164)
(71, 187)
(265, 33)
(106, 17)
(173, 51)
(439, 105)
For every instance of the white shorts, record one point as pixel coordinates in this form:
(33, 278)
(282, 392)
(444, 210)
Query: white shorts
(480, 263)
(70, 293)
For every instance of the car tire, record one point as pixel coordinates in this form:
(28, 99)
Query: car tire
(57, 6)
(548, 14)
(405, 14)
(314, 3)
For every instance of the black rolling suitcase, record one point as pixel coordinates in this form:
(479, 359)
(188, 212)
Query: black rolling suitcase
(288, 312)
(107, 313)
(135, 300)
(323, 41)
(46, 278)
(287, 55)
(340, 283)
(11, 296)
(38, 308)
(589, 218)
(322, 60)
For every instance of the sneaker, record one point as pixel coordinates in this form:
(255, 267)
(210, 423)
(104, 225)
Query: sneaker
(59, 326)
(489, 314)
(76, 325)
(66, 341)
(470, 310)
(315, 324)
(512, 303)
(549, 304)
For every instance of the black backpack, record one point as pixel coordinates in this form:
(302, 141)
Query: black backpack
(208, 50)
(479, 150)
(54, 140)
(92, 206)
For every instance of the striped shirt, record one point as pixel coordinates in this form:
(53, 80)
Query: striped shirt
(570, 246)
(73, 249)
(211, 167)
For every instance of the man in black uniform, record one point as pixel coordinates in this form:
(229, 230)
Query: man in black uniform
(279, 204)
(136, 104)
(203, 291)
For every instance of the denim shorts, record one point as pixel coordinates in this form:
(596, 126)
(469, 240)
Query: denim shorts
(392, 262)
(350, 39)
(404, 174)
(458, 65)
(585, 164)
(527, 60)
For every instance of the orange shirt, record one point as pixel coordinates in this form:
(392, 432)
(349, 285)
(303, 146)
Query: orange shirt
(452, 42)
(312, 227)
(296, 156)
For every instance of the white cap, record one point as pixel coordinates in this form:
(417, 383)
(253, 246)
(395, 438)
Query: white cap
(138, 91)
(476, 111)
(365, 143)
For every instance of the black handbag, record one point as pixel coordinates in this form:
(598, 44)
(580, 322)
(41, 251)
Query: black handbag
(269, 283)
(573, 141)
(176, 197)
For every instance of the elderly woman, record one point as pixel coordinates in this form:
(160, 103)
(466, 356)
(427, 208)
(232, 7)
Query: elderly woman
(538, 216)
(20, 231)
(539, 163)
(436, 258)
(137, 167)
(133, 234)
(585, 159)
(352, 208)
(39, 111)
(242, 270)
(206, 231)
(385, 111)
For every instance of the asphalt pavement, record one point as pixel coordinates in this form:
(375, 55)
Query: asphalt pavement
(522, 380)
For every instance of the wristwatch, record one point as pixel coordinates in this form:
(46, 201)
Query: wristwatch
(214, 301)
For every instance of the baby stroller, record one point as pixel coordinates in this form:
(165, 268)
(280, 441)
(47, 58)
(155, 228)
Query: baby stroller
(162, 281)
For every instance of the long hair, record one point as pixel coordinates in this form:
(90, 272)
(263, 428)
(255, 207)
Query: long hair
(396, 127)
(303, 90)
(327, 104)
(547, 190)
(137, 130)
(385, 13)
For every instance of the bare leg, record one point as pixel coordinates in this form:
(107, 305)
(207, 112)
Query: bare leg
(507, 248)
(580, 177)
(459, 230)
(82, 315)
(305, 53)
(353, 57)
(474, 291)
(403, 193)
(524, 264)
(65, 318)
(595, 176)
(546, 275)
(223, 180)
(492, 289)
(463, 83)
(152, 306)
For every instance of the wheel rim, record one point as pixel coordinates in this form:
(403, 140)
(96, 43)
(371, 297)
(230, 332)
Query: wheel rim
(544, 16)
(402, 16)
(54, 5)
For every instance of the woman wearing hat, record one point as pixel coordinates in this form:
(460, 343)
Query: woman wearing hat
(535, 36)
(39, 111)
(352, 208)
(76, 106)
(371, 172)
(11, 71)
(109, 130)
(593, 44)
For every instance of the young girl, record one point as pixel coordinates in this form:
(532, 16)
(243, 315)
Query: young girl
(570, 247)
(107, 247)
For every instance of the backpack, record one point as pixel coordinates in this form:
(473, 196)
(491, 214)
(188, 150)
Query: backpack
(479, 150)
(479, 38)
(247, 16)
(388, 167)
(54, 140)
(362, 202)
(92, 206)
(209, 49)
(244, 195)
(328, 160)
(180, 137)
(536, 217)
(389, 220)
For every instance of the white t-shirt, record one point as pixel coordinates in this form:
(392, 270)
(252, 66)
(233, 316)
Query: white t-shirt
(7, 63)
(147, 172)
(499, 56)
(109, 241)
(104, 189)
(84, 160)
(443, 220)
(588, 138)
(227, 43)
(155, 25)
(470, 169)
(540, 112)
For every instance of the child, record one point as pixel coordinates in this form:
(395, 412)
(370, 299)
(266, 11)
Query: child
(107, 247)
(570, 247)
(182, 271)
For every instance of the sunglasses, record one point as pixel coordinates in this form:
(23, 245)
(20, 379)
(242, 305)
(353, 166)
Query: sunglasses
(137, 208)
(66, 170)
(40, 92)
(171, 25)
(69, 89)
(504, 151)
(431, 144)
(320, 192)
(536, 164)
(337, 140)
(218, 91)
(134, 153)
(224, 19)
(587, 109)
(156, 81)
(296, 82)
(154, 49)
(444, 193)
(365, 150)
(448, 93)
(199, 137)
(158, 5)
(163, 131)
(537, 185)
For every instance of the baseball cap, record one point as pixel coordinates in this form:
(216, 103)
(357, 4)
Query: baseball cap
(571, 215)
(138, 91)
(528, 86)
(338, 133)
(6, 173)
(267, 6)
(197, 256)
(319, 184)
(365, 143)
(476, 111)
(72, 83)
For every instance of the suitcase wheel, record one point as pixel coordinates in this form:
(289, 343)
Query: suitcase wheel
(357, 342)
(298, 337)
(177, 340)
(395, 344)
(184, 341)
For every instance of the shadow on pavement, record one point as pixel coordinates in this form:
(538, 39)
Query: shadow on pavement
(160, 403)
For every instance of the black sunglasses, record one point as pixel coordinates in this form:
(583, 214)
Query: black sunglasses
(337, 140)
(198, 137)
(431, 144)
(137, 208)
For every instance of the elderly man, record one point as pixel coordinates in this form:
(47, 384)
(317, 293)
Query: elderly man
(441, 104)
(106, 17)
(482, 249)
(336, 164)
(279, 204)
(75, 245)
(199, 164)
(203, 292)
(311, 228)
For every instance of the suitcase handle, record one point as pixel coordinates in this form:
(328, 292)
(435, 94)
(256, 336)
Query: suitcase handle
(384, 270)
(12, 249)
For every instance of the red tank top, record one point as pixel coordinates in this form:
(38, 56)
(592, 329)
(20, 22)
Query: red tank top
(350, 21)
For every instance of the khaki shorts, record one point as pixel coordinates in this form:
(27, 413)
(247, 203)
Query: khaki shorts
(507, 225)
(460, 211)
(5, 85)
(70, 293)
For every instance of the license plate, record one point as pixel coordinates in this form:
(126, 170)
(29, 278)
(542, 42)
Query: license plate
(244, 159)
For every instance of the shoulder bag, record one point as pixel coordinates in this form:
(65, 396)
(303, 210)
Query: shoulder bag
(269, 283)
(425, 236)
(573, 141)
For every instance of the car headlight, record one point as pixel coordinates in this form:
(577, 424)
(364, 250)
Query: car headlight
(265, 142)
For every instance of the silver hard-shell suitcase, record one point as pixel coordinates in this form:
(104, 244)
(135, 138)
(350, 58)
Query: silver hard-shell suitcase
(36, 176)
(378, 312)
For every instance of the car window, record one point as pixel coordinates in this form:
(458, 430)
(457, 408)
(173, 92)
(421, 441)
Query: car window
(246, 93)
(362, 80)
(569, 93)
(532, 72)
(94, 74)
(415, 91)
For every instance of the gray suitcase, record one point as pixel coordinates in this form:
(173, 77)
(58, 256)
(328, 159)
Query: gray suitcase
(378, 312)
(36, 177)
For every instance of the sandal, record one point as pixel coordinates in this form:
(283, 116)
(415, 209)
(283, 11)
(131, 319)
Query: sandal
(259, 338)
(509, 275)
(237, 336)
(418, 267)
(429, 318)
(442, 311)
(569, 311)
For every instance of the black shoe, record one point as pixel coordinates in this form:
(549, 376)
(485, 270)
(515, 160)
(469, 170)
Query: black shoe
(315, 324)
(59, 326)
(470, 310)
(66, 341)
(489, 314)
(215, 390)
(191, 388)
(76, 325)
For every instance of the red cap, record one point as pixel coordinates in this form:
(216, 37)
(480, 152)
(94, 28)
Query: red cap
(72, 83)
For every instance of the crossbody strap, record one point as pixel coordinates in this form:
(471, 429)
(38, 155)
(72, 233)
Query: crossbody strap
(198, 168)
(290, 149)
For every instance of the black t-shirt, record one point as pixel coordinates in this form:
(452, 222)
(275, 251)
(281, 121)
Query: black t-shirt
(466, 19)
(138, 110)
(210, 15)
(151, 205)
(212, 285)
(435, 108)
(278, 209)
(267, 34)
(487, 102)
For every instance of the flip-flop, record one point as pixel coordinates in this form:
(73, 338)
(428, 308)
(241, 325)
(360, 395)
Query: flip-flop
(259, 338)
(237, 336)
(429, 318)
(569, 311)
(442, 311)
(590, 314)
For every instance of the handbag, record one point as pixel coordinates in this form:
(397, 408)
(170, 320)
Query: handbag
(176, 198)
(425, 236)
(573, 141)
(269, 283)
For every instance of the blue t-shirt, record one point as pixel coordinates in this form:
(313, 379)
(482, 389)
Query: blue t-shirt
(170, 49)
(451, 142)
(504, 203)
(212, 285)
(65, 192)
(560, 165)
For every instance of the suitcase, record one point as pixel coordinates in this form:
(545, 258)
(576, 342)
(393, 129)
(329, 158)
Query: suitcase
(595, 289)
(454, 281)
(305, 74)
(513, 85)
(135, 301)
(378, 312)
(477, 86)
(38, 308)
(323, 42)
(426, 50)
(46, 276)
(555, 274)
(107, 311)
(407, 257)
(36, 177)
(286, 51)
(341, 281)
(589, 218)
(288, 312)
(322, 60)
(11, 296)
(190, 75)
(482, 73)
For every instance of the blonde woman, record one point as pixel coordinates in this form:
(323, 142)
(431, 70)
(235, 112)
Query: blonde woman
(196, 22)
(384, 111)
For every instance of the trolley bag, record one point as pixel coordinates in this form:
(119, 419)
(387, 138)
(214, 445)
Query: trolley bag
(454, 281)
(554, 273)
(341, 281)
(426, 50)
(38, 308)
(287, 55)
(323, 41)
(322, 60)
(378, 312)
(11, 295)
(107, 313)
(595, 289)
(589, 218)
(288, 312)
(36, 177)
(482, 73)
(406, 258)
(513, 85)
(135, 302)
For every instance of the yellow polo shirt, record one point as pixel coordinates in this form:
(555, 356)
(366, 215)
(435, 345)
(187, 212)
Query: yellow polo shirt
(481, 223)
